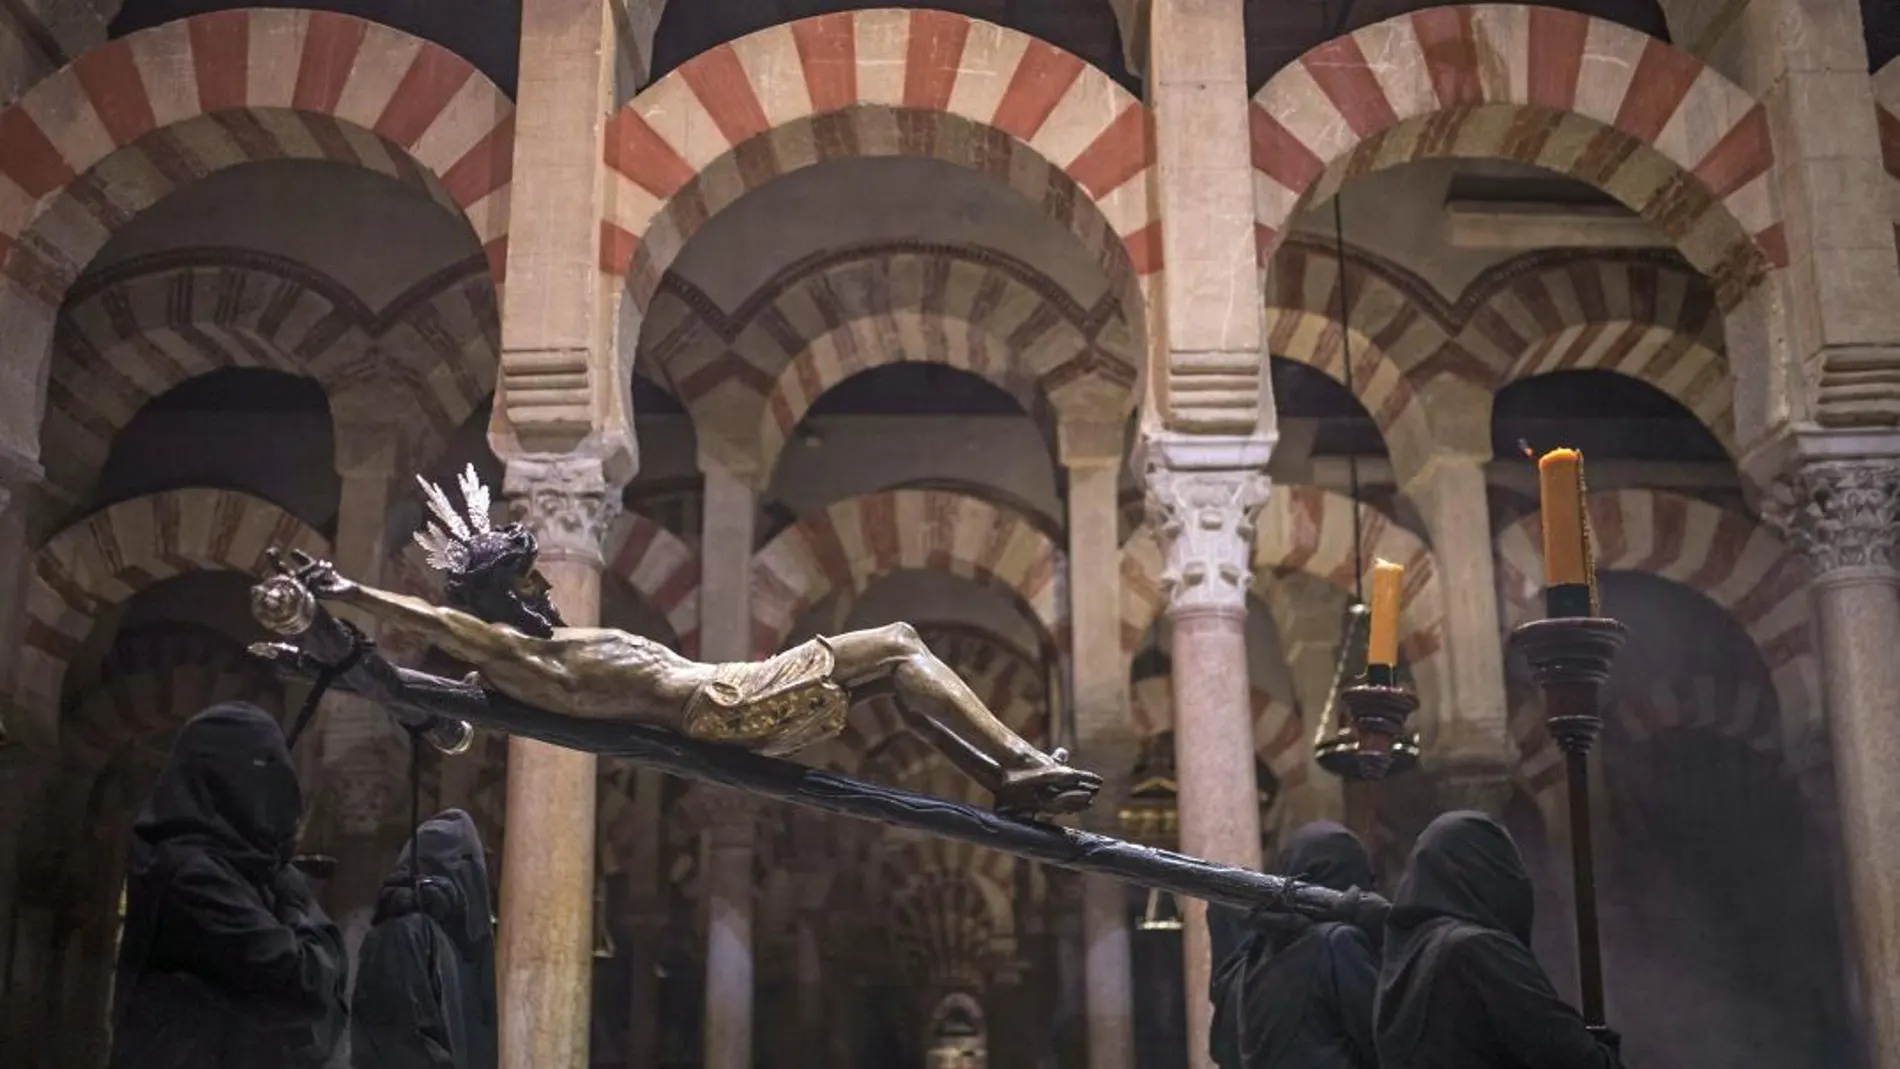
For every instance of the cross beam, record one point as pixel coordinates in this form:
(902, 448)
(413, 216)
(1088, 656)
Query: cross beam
(430, 704)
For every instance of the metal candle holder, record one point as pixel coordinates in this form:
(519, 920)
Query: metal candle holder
(1570, 660)
(1378, 712)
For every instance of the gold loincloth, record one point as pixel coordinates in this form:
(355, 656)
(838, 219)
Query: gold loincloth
(775, 706)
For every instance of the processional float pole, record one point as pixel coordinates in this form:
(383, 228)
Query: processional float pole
(1570, 654)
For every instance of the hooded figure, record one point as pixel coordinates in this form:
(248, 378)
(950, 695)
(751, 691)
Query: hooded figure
(225, 961)
(1459, 987)
(1292, 992)
(425, 982)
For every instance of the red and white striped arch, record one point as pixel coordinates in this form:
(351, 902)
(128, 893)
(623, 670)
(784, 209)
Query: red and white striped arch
(133, 120)
(1658, 325)
(1728, 558)
(156, 680)
(1718, 706)
(1887, 114)
(763, 367)
(848, 544)
(662, 568)
(1585, 97)
(1276, 725)
(881, 82)
(1309, 529)
(109, 557)
(126, 337)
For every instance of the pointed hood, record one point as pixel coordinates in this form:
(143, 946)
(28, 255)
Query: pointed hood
(228, 788)
(1466, 866)
(447, 859)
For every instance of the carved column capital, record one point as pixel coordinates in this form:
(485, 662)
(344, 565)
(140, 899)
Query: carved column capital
(363, 792)
(728, 818)
(1842, 516)
(567, 502)
(1205, 521)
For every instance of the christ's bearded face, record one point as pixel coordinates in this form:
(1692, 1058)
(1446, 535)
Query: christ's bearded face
(501, 585)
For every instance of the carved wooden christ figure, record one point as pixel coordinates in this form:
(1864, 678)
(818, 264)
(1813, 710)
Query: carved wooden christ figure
(501, 620)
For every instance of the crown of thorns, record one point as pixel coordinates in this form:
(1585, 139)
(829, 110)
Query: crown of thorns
(454, 544)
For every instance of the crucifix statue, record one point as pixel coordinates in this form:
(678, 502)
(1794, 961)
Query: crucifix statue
(499, 618)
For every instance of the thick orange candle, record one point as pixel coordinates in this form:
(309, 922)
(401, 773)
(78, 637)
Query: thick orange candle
(1388, 595)
(1560, 478)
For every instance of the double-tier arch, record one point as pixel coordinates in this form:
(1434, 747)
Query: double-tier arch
(880, 83)
(105, 559)
(753, 374)
(1728, 558)
(1650, 126)
(1640, 314)
(845, 545)
(133, 332)
(131, 121)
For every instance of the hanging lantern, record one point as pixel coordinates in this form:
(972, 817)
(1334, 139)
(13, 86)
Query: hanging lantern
(1162, 914)
(603, 935)
(1337, 745)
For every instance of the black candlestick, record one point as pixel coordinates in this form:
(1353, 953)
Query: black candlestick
(1570, 660)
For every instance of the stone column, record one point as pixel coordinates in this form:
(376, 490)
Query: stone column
(730, 512)
(1843, 516)
(1311, 640)
(1807, 63)
(1091, 450)
(1470, 754)
(731, 834)
(547, 888)
(648, 895)
(18, 477)
(1066, 927)
(1205, 519)
(364, 755)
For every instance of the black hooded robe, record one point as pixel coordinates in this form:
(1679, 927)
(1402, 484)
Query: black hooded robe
(1293, 993)
(225, 961)
(1459, 987)
(425, 982)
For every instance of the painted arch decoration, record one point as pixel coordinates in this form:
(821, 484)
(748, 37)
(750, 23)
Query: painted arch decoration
(847, 544)
(131, 121)
(662, 568)
(110, 556)
(880, 82)
(1584, 97)
(1726, 557)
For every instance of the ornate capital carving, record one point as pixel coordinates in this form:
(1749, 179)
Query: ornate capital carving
(727, 816)
(1205, 520)
(363, 796)
(566, 501)
(1842, 516)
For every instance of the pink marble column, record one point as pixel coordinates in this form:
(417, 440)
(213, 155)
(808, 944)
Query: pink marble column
(1205, 518)
(1092, 452)
(547, 888)
(731, 830)
(1844, 517)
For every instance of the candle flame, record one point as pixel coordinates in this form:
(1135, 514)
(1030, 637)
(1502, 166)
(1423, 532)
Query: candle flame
(1524, 447)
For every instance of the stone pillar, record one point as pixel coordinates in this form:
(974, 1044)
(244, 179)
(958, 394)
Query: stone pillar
(731, 836)
(730, 512)
(1205, 520)
(1310, 638)
(364, 755)
(1470, 754)
(810, 969)
(18, 477)
(1808, 64)
(547, 886)
(1843, 516)
(1066, 927)
(648, 894)
(1092, 450)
